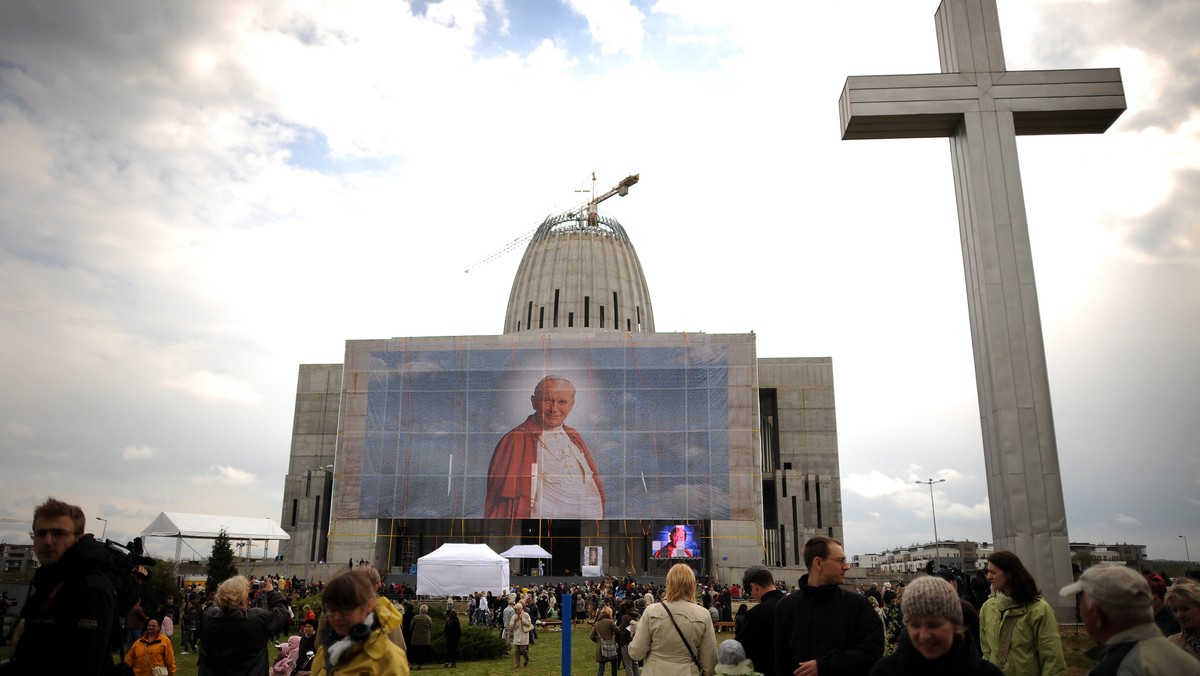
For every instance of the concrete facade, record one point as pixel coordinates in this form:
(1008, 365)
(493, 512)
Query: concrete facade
(982, 107)
(571, 270)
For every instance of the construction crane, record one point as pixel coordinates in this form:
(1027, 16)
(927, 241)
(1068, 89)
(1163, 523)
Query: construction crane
(587, 211)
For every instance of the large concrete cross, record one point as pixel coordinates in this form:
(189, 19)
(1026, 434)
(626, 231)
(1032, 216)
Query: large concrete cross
(982, 108)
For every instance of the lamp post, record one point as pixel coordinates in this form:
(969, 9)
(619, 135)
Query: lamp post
(1186, 552)
(105, 528)
(933, 508)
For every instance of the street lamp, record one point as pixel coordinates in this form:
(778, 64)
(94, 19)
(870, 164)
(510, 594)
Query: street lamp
(105, 528)
(1186, 552)
(933, 508)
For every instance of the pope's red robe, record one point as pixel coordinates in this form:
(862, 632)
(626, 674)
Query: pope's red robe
(509, 475)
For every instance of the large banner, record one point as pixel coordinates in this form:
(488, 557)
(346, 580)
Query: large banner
(558, 426)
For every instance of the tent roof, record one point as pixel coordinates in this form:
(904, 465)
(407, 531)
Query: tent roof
(460, 553)
(526, 552)
(209, 526)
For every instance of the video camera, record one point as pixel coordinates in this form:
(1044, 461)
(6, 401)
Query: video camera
(129, 560)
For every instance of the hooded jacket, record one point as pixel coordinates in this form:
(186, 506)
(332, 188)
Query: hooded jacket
(377, 654)
(1036, 646)
(72, 603)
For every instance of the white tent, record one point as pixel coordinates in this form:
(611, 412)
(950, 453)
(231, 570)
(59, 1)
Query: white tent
(526, 552)
(460, 569)
(208, 526)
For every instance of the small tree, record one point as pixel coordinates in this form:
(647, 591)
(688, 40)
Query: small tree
(220, 562)
(1084, 559)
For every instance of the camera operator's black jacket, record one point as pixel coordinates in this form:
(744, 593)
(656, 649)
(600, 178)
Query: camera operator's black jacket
(234, 642)
(69, 616)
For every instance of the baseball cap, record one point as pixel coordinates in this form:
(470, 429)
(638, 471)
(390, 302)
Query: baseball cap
(1113, 585)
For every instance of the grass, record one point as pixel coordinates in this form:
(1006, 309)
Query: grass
(545, 656)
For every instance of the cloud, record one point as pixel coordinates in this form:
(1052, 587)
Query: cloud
(224, 475)
(138, 452)
(18, 429)
(615, 24)
(215, 387)
(1127, 520)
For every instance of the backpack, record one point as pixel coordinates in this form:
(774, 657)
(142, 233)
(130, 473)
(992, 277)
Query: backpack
(623, 635)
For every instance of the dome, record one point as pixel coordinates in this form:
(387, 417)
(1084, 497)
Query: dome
(579, 273)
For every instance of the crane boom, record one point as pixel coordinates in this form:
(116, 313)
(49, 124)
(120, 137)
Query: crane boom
(588, 209)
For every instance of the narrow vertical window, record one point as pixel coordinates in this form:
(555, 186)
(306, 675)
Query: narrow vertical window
(639, 316)
(542, 317)
(570, 319)
(587, 311)
(556, 308)
(529, 316)
(616, 313)
(629, 325)
(601, 316)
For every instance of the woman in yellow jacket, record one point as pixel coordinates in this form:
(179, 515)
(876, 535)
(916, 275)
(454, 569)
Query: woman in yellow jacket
(356, 642)
(1018, 630)
(151, 650)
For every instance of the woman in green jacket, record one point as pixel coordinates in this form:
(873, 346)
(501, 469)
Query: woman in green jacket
(1018, 630)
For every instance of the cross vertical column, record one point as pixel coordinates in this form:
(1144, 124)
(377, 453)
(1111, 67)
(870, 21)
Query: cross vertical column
(982, 108)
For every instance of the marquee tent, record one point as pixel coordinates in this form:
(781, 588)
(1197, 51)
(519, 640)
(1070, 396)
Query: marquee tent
(526, 552)
(456, 569)
(208, 526)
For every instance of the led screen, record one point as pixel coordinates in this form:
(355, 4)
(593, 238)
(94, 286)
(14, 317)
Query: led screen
(676, 541)
(573, 426)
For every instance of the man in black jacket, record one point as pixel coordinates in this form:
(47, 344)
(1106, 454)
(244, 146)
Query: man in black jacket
(822, 629)
(757, 633)
(66, 626)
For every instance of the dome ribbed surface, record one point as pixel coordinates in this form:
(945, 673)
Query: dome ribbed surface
(579, 273)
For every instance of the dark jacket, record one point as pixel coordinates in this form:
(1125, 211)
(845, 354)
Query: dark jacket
(72, 604)
(234, 642)
(757, 633)
(837, 628)
(962, 660)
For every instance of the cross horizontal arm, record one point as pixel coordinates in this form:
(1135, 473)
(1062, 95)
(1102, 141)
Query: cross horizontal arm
(1082, 101)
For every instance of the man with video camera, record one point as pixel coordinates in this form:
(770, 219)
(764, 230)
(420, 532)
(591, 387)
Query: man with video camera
(66, 625)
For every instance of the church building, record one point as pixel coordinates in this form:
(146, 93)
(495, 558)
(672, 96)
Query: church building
(682, 446)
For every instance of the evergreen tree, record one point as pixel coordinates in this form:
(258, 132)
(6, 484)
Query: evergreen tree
(220, 562)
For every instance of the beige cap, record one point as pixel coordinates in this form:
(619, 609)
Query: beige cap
(1112, 585)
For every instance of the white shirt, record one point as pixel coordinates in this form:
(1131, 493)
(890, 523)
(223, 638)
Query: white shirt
(563, 487)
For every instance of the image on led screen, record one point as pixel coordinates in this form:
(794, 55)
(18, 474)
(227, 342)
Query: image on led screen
(566, 433)
(677, 541)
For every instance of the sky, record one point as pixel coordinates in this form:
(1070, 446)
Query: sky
(195, 198)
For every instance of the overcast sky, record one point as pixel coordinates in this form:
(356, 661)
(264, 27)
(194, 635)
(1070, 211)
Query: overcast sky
(197, 197)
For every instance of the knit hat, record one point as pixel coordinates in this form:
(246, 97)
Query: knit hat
(1112, 585)
(931, 597)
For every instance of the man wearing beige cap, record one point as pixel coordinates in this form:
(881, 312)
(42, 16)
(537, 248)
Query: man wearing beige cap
(1114, 602)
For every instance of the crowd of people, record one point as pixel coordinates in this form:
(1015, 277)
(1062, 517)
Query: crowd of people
(998, 622)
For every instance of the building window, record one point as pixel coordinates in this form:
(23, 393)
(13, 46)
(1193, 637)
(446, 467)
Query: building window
(587, 311)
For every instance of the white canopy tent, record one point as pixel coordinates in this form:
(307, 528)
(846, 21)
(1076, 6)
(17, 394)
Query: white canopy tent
(528, 552)
(179, 525)
(457, 569)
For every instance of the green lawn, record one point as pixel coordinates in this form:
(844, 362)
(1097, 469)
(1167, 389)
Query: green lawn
(545, 656)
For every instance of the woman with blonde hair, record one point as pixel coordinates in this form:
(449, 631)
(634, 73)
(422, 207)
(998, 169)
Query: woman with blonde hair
(233, 636)
(676, 637)
(1183, 598)
(604, 635)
